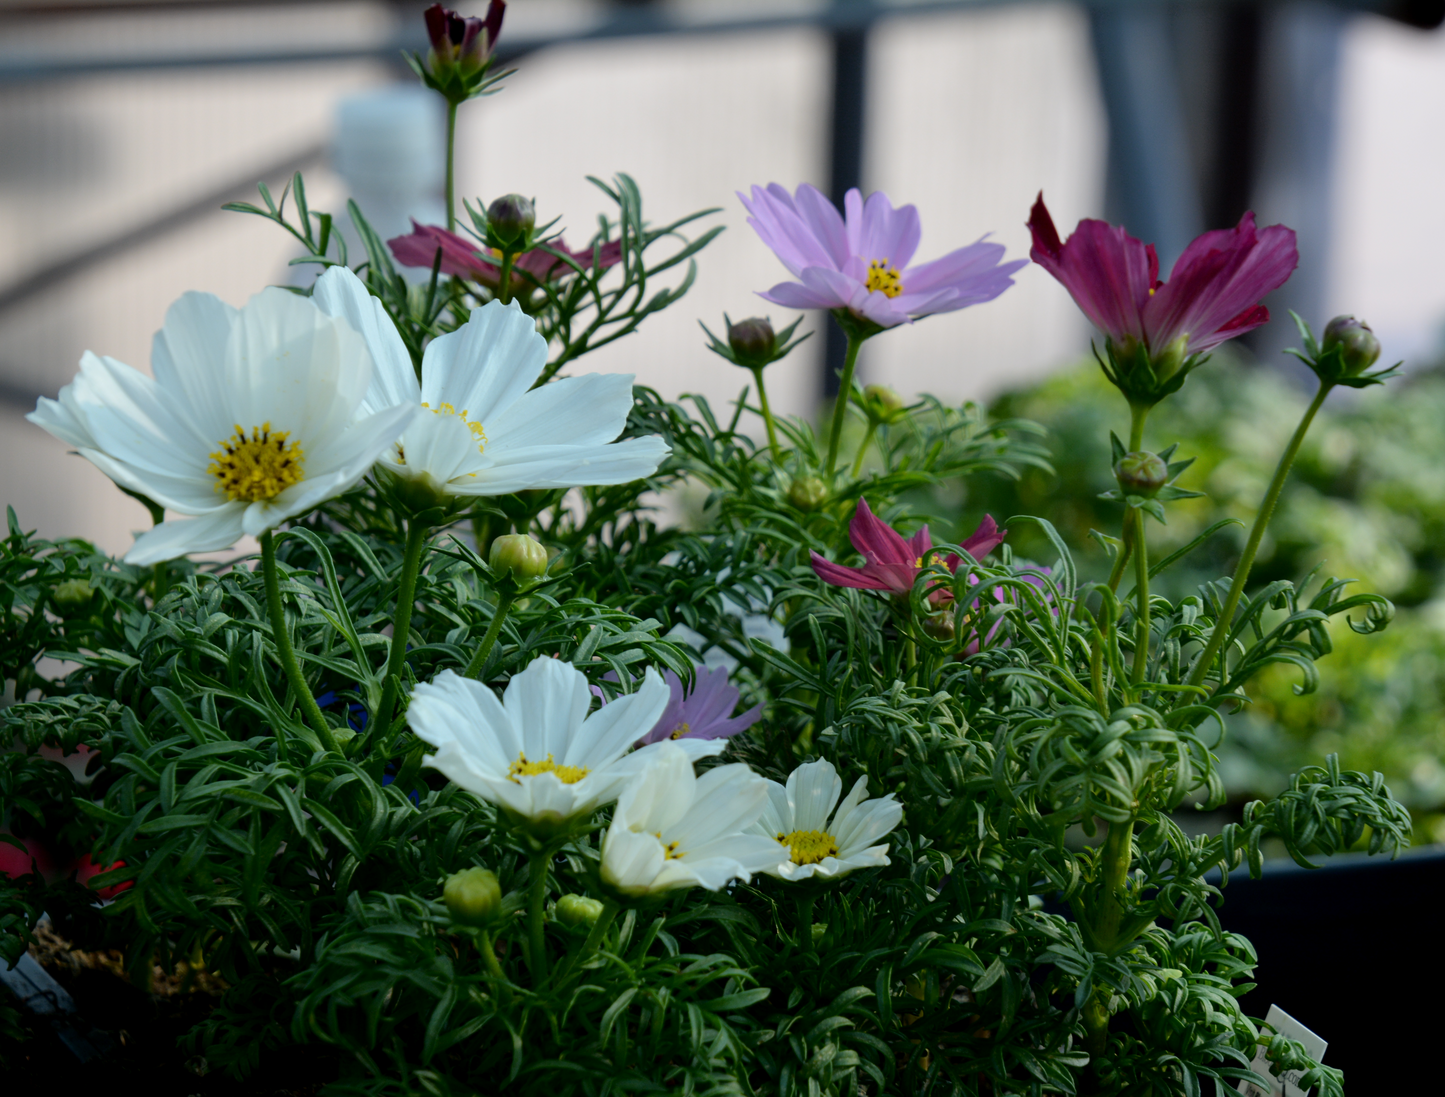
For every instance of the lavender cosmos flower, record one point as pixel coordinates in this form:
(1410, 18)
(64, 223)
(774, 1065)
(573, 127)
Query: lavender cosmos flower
(861, 263)
(1212, 294)
(703, 713)
(462, 258)
(892, 563)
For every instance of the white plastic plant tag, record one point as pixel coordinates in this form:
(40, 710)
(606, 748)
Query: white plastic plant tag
(1287, 1086)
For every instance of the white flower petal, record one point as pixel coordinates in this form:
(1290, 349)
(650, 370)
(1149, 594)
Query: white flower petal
(136, 421)
(188, 357)
(577, 411)
(566, 466)
(338, 292)
(184, 494)
(217, 530)
(440, 446)
(548, 702)
(606, 734)
(63, 418)
(485, 365)
(813, 789)
(631, 861)
(869, 822)
(453, 709)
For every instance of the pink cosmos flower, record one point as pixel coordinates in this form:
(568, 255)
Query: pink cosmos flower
(1212, 294)
(462, 258)
(861, 263)
(891, 562)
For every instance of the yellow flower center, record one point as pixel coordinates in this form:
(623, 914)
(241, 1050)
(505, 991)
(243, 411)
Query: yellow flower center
(669, 850)
(476, 428)
(883, 278)
(568, 775)
(261, 467)
(681, 730)
(808, 847)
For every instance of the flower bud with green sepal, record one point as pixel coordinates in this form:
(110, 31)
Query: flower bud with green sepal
(881, 404)
(1145, 379)
(578, 910)
(1348, 348)
(752, 343)
(807, 492)
(510, 219)
(1146, 480)
(473, 897)
(458, 65)
(72, 596)
(519, 555)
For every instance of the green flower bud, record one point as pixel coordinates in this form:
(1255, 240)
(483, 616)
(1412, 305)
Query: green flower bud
(510, 218)
(578, 910)
(1141, 473)
(807, 493)
(519, 554)
(1168, 361)
(820, 930)
(72, 595)
(473, 896)
(1359, 349)
(940, 626)
(882, 404)
(753, 340)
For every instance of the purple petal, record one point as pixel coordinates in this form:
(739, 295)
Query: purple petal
(726, 729)
(876, 231)
(799, 234)
(672, 715)
(985, 539)
(794, 296)
(1108, 272)
(840, 576)
(877, 540)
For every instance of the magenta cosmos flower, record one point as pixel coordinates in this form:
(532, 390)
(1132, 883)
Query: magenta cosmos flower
(861, 263)
(462, 258)
(892, 562)
(1212, 294)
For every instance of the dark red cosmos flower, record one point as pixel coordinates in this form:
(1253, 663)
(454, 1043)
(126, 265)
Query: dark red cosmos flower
(461, 41)
(462, 258)
(892, 562)
(1212, 294)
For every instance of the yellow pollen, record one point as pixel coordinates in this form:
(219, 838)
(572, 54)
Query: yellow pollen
(883, 278)
(568, 775)
(261, 467)
(669, 852)
(681, 730)
(476, 428)
(808, 847)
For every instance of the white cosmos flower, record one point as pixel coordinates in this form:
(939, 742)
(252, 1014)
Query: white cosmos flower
(673, 829)
(489, 431)
(253, 416)
(536, 752)
(815, 840)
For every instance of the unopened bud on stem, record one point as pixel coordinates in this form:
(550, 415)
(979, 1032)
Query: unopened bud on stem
(807, 493)
(473, 896)
(1359, 349)
(881, 404)
(753, 340)
(519, 554)
(1141, 473)
(510, 218)
(578, 910)
(71, 595)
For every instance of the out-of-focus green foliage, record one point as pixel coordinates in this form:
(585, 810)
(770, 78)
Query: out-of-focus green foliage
(1366, 499)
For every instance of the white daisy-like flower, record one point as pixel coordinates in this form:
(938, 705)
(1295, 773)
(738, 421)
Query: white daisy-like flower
(673, 829)
(483, 429)
(816, 840)
(254, 416)
(535, 751)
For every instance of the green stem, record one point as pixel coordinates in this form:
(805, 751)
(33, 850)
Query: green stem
(401, 628)
(840, 409)
(504, 280)
(284, 650)
(160, 579)
(1223, 625)
(767, 415)
(598, 931)
(1096, 673)
(1141, 598)
(805, 918)
(867, 441)
(479, 660)
(536, 908)
(451, 167)
(1118, 856)
(489, 957)
(1096, 1026)
(1137, 414)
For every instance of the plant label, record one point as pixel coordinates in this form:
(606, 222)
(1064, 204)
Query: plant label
(1286, 1086)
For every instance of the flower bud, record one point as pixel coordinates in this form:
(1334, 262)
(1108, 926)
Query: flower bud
(520, 555)
(807, 493)
(882, 404)
(72, 595)
(510, 218)
(1359, 348)
(1141, 473)
(578, 910)
(940, 626)
(473, 896)
(1167, 363)
(753, 340)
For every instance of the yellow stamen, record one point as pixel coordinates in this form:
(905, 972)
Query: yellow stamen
(681, 730)
(257, 468)
(568, 775)
(476, 428)
(808, 847)
(883, 277)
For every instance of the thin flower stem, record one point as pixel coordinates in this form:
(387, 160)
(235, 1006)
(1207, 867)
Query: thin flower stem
(401, 628)
(494, 969)
(284, 650)
(867, 441)
(1141, 598)
(479, 660)
(598, 931)
(1225, 622)
(536, 908)
(767, 416)
(805, 919)
(504, 280)
(1137, 415)
(451, 167)
(160, 578)
(840, 409)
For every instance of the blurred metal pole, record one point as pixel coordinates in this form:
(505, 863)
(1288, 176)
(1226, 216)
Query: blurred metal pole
(845, 156)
